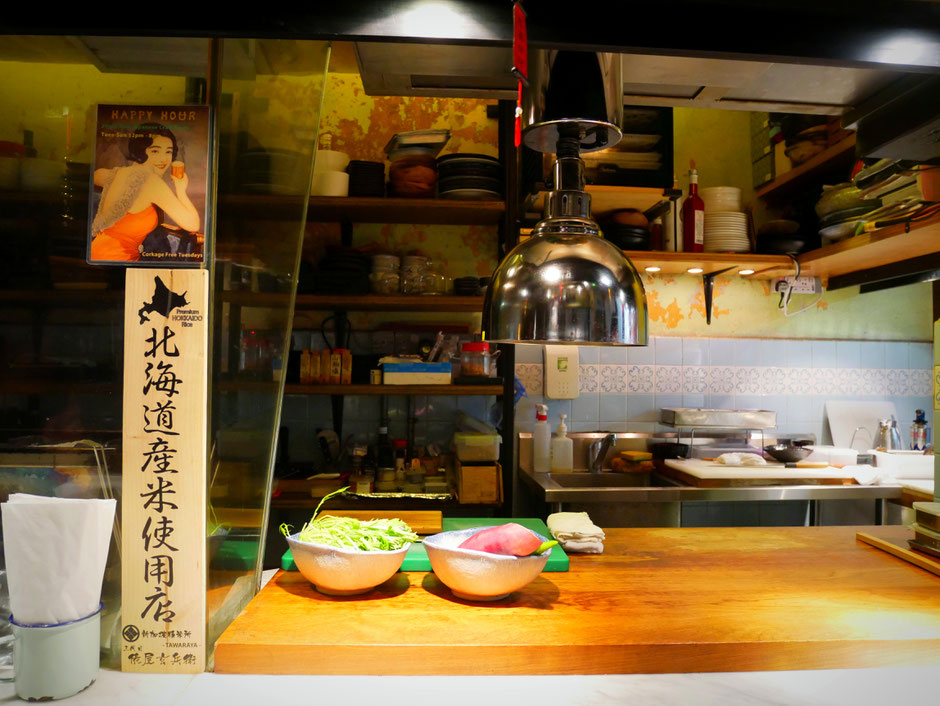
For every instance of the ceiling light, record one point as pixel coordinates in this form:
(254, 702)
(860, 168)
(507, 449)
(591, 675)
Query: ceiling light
(567, 284)
(695, 270)
(745, 272)
(653, 268)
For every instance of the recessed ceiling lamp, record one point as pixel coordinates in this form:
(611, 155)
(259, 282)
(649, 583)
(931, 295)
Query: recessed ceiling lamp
(567, 284)
(695, 270)
(745, 272)
(653, 268)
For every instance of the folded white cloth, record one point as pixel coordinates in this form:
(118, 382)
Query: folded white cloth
(575, 532)
(585, 547)
(741, 459)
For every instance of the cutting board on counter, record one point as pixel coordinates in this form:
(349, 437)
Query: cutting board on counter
(708, 474)
(417, 557)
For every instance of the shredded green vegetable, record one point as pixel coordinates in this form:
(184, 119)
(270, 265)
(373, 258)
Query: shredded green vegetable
(350, 533)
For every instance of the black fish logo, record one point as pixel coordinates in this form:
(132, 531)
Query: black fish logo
(163, 301)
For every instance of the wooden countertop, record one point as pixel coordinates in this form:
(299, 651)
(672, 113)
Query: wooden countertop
(660, 600)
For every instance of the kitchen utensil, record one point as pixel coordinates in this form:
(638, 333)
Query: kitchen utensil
(344, 572)
(476, 575)
(888, 437)
(839, 198)
(722, 418)
(786, 452)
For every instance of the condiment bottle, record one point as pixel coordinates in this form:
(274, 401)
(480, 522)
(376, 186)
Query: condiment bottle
(541, 440)
(693, 216)
(920, 432)
(562, 449)
(325, 357)
(305, 367)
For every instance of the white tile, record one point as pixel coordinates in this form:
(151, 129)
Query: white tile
(694, 379)
(641, 379)
(748, 352)
(848, 354)
(668, 379)
(589, 377)
(612, 379)
(528, 353)
(747, 381)
(694, 351)
(721, 379)
(612, 355)
(871, 354)
(668, 350)
(897, 355)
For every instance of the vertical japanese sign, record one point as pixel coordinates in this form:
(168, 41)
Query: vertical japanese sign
(164, 471)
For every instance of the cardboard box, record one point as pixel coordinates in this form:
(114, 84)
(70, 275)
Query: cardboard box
(479, 484)
(416, 373)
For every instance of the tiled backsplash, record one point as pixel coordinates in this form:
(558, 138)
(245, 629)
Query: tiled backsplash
(623, 389)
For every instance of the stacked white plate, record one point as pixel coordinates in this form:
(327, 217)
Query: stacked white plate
(726, 231)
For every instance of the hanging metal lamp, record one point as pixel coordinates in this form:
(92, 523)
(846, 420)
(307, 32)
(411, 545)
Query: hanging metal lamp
(566, 283)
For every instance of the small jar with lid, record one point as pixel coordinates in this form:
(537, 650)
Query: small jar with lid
(412, 172)
(476, 360)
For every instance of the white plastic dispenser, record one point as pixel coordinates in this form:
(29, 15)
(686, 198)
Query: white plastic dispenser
(541, 440)
(562, 449)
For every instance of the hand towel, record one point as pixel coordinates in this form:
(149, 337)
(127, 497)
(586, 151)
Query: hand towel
(575, 532)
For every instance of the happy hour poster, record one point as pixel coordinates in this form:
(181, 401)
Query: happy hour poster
(148, 200)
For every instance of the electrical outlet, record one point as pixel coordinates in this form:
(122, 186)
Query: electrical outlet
(800, 285)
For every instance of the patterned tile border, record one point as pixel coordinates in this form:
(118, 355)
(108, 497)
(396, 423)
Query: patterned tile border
(740, 380)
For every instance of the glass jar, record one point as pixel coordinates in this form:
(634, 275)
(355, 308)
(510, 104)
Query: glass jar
(413, 272)
(477, 361)
(412, 172)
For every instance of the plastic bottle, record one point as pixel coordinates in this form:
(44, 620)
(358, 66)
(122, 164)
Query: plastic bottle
(541, 441)
(920, 432)
(562, 449)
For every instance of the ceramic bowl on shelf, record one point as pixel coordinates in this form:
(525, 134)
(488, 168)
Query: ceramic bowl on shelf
(480, 576)
(344, 572)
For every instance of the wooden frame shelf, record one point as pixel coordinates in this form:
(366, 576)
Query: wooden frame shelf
(675, 263)
(365, 390)
(839, 156)
(364, 302)
(362, 209)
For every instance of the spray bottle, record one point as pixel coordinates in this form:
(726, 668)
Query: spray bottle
(541, 440)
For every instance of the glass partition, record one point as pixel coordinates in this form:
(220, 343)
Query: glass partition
(61, 319)
(267, 128)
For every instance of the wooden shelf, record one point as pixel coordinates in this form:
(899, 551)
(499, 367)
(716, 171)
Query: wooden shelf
(365, 302)
(359, 209)
(605, 199)
(674, 263)
(836, 161)
(364, 390)
(880, 247)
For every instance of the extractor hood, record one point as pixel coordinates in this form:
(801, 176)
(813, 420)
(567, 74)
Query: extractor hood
(395, 69)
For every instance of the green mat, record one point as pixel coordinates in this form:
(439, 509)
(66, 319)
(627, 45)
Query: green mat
(417, 557)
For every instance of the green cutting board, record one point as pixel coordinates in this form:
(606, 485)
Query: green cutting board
(558, 561)
(417, 557)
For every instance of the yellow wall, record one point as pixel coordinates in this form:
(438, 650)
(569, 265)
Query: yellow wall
(361, 125)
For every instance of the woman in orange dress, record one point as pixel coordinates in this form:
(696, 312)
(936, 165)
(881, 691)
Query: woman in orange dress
(131, 196)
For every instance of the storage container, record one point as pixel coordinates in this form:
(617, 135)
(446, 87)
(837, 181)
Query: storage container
(479, 484)
(477, 447)
(476, 360)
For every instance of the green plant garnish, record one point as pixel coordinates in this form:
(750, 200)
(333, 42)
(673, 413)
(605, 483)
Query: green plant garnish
(545, 546)
(350, 533)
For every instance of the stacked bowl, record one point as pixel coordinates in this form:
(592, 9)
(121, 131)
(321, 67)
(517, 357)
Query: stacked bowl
(475, 177)
(725, 222)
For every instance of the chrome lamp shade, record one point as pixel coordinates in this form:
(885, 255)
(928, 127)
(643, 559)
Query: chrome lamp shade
(566, 283)
(566, 288)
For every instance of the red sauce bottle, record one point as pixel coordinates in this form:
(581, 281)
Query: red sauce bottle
(693, 216)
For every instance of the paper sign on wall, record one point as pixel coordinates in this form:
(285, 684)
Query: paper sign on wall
(164, 471)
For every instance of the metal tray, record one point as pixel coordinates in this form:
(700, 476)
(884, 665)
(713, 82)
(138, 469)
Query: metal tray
(719, 418)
